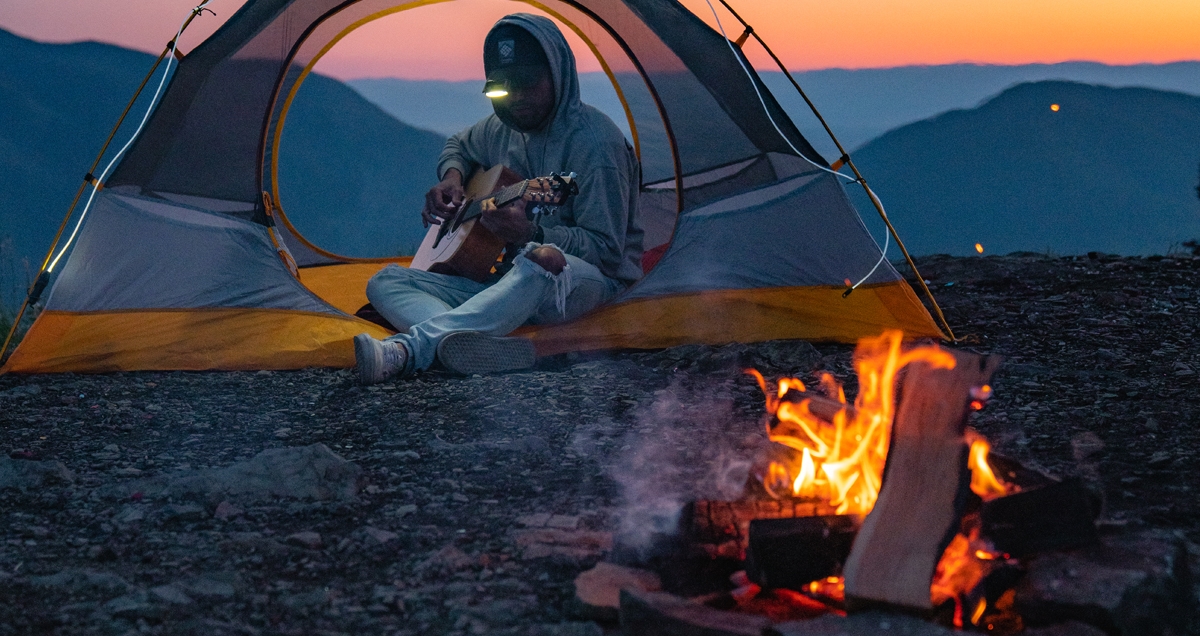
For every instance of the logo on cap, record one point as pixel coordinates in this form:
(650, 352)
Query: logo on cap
(508, 51)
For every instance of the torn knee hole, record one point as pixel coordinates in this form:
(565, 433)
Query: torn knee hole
(549, 258)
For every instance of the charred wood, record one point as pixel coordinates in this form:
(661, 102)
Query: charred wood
(790, 553)
(1059, 516)
(724, 526)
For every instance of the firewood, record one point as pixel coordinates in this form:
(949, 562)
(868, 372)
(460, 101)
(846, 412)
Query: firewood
(661, 614)
(925, 487)
(727, 523)
(790, 553)
(819, 405)
(1060, 516)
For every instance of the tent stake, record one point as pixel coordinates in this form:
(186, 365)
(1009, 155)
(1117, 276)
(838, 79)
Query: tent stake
(845, 159)
(43, 278)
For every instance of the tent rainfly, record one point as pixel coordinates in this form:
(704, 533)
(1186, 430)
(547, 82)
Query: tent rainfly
(177, 264)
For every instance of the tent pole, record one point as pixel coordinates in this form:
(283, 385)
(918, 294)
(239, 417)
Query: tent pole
(42, 279)
(845, 159)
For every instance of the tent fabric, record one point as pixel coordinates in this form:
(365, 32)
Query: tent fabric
(175, 267)
(138, 252)
(741, 315)
(187, 340)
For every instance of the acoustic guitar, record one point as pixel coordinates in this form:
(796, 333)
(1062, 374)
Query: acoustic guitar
(461, 245)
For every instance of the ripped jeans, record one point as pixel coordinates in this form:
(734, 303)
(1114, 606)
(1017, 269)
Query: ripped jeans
(431, 306)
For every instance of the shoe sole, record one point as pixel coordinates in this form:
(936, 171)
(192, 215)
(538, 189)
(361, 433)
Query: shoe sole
(470, 352)
(368, 360)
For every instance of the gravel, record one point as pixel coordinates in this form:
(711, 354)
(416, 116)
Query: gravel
(300, 502)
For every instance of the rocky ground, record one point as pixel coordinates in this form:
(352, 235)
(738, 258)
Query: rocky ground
(302, 503)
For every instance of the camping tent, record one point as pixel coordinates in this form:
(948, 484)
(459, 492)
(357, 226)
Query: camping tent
(177, 265)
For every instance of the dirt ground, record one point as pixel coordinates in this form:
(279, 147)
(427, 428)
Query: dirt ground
(169, 503)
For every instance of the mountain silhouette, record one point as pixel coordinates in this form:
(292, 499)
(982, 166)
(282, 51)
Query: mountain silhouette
(1107, 169)
(58, 102)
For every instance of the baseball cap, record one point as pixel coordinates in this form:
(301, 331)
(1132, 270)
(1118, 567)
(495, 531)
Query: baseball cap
(513, 58)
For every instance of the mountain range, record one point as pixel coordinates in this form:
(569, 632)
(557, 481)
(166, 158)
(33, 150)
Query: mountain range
(58, 102)
(858, 104)
(1057, 167)
(963, 155)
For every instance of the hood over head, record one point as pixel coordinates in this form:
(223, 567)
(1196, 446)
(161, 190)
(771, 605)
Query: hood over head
(556, 54)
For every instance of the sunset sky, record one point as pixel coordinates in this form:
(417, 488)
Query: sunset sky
(442, 41)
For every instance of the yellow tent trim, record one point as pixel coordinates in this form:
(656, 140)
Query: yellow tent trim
(741, 315)
(714, 317)
(344, 286)
(189, 340)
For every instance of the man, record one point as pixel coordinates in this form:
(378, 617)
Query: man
(572, 261)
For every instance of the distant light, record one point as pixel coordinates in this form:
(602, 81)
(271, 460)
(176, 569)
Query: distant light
(500, 92)
(1054, 107)
(979, 248)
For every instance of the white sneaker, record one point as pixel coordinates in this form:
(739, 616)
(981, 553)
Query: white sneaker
(378, 360)
(470, 352)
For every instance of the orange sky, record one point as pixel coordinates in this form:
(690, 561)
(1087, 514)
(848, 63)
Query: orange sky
(807, 34)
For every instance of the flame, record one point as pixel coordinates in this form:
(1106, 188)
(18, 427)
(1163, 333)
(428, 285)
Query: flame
(978, 613)
(841, 461)
(979, 247)
(1054, 107)
(983, 481)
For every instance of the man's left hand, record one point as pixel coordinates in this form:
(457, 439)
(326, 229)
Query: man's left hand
(508, 223)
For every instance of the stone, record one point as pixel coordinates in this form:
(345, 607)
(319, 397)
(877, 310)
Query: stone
(1070, 628)
(306, 539)
(598, 590)
(226, 510)
(82, 581)
(302, 472)
(536, 520)
(579, 545)
(253, 542)
(170, 594)
(658, 613)
(132, 607)
(447, 560)
(1128, 584)
(382, 536)
(563, 522)
(25, 475)
(406, 509)
(209, 586)
(868, 623)
(130, 513)
(183, 512)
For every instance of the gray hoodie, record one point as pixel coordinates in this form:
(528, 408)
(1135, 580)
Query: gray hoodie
(600, 225)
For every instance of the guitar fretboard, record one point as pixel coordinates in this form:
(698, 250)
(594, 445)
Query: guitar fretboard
(511, 193)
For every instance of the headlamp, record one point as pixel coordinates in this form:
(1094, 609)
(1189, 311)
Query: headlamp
(495, 89)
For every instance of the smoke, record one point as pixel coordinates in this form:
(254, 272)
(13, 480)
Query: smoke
(686, 445)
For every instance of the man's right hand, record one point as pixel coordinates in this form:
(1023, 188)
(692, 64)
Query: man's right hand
(443, 199)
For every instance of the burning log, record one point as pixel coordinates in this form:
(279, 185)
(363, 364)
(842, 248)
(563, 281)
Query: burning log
(723, 527)
(926, 482)
(790, 553)
(1059, 516)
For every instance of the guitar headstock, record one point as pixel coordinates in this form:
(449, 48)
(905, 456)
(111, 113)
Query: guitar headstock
(554, 189)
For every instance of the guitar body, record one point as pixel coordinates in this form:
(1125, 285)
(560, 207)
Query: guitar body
(466, 248)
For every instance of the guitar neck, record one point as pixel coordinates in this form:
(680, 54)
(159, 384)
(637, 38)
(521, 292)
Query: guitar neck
(510, 194)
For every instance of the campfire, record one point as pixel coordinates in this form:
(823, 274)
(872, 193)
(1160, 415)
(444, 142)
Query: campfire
(838, 455)
(889, 502)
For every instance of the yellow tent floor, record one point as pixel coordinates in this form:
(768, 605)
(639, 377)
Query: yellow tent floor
(236, 338)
